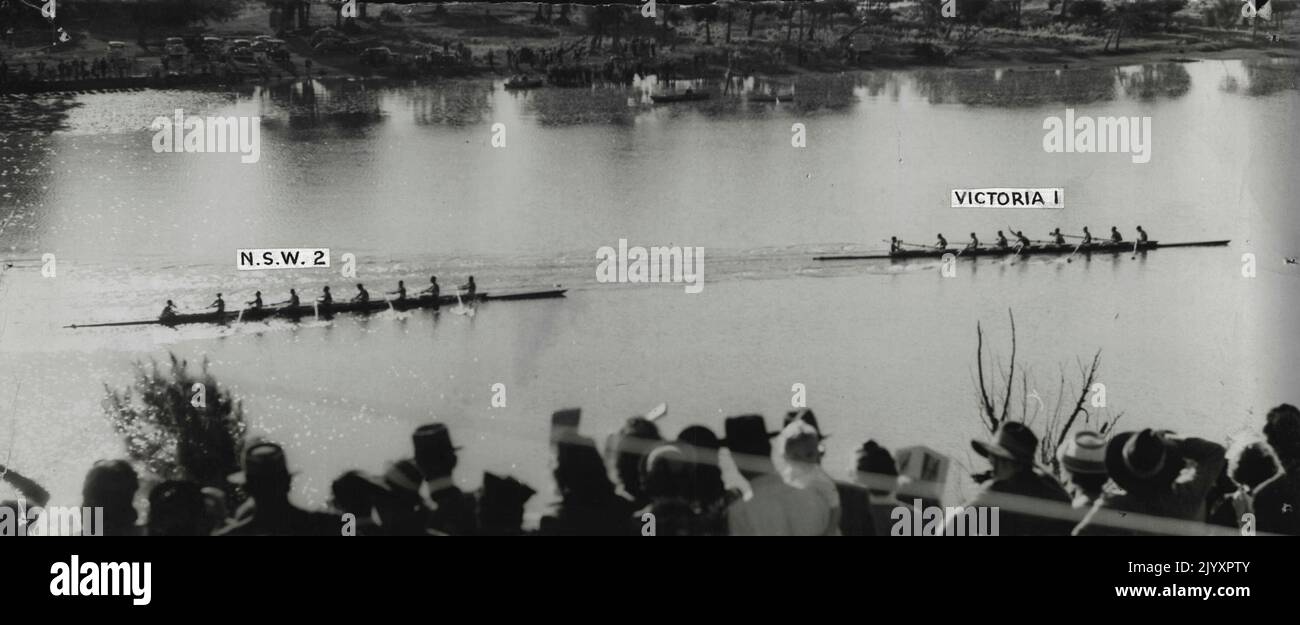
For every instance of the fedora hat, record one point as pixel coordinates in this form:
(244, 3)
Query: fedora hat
(1142, 460)
(403, 477)
(747, 434)
(1012, 441)
(1084, 453)
(262, 461)
(504, 492)
(433, 439)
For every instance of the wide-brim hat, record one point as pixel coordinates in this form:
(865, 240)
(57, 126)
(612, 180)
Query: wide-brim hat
(262, 460)
(403, 476)
(1142, 460)
(1012, 441)
(433, 439)
(1084, 453)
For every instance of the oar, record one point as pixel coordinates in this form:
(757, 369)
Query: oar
(1135, 251)
(1069, 258)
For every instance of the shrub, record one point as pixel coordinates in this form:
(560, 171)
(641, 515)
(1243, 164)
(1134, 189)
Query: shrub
(178, 424)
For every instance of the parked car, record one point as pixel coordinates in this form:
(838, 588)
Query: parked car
(116, 53)
(278, 49)
(379, 55)
(175, 50)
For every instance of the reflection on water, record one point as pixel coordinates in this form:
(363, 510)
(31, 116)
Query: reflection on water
(1159, 80)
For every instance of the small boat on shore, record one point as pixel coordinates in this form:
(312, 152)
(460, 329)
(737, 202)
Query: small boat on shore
(1103, 247)
(309, 310)
(689, 95)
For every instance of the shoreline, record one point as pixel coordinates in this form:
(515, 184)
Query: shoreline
(432, 43)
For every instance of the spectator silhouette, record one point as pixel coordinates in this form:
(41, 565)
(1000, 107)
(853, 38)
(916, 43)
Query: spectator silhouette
(771, 507)
(453, 511)
(501, 505)
(178, 508)
(1149, 466)
(111, 485)
(1016, 483)
(267, 480)
(588, 504)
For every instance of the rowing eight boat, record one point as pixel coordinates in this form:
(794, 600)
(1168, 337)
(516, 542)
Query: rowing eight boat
(1095, 248)
(295, 312)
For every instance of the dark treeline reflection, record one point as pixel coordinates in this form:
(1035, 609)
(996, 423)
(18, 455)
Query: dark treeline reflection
(456, 103)
(1269, 77)
(1169, 80)
(307, 104)
(43, 113)
(1008, 88)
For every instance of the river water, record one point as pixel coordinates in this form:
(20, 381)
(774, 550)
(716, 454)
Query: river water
(406, 178)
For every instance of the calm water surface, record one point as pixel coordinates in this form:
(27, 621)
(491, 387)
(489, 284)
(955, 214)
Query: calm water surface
(406, 178)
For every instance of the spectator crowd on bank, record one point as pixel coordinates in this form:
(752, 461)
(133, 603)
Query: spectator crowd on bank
(643, 483)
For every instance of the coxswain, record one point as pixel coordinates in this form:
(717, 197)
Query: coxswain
(942, 243)
(363, 296)
(974, 242)
(1024, 240)
(1142, 235)
(1087, 237)
(219, 304)
(1002, 240)
(168, 311)
(1057, 237)
(256, 304)
(469, 288)
(895, 246)
(400, 292)
(1114, 235)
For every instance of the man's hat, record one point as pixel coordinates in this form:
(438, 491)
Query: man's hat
(262, 461)
(1011, 441)
(404, 476)
(504, 491)
(433, 439)
(1142, 460)
(747, 434)
(1084, 453)
(802, 414)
